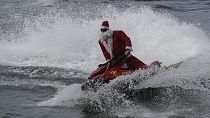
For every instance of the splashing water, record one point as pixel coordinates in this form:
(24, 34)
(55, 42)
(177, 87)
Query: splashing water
(69, 96)
(72, 42)
(109, 98)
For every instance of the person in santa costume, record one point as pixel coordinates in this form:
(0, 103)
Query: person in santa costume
(114, 43)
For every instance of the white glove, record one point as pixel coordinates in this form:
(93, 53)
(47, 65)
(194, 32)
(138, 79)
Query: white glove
(127, 52)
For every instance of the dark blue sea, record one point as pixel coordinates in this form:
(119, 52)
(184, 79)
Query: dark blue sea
(49, 47)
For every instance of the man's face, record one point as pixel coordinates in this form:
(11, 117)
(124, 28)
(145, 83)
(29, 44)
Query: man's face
(105, 34)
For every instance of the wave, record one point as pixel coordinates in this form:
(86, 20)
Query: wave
(177, 94)
(26, 83)
(36, 76)
(52, 73)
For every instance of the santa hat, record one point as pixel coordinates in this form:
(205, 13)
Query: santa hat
(105, 25)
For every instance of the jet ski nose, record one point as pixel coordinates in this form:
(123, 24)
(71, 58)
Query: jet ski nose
(156, 63)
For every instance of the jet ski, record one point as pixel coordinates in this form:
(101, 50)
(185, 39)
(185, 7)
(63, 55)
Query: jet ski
(109, 71)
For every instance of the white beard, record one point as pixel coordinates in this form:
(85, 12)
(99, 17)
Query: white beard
(106, 35)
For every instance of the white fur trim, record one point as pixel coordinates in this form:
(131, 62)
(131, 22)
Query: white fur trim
(104, 27)
(108, 46)
(128, 47)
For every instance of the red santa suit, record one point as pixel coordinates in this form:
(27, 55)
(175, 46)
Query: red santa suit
(116, 45)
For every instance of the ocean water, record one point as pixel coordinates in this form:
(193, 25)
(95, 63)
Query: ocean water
(49, 47)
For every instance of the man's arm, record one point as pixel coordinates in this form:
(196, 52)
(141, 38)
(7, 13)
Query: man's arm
(127, 41)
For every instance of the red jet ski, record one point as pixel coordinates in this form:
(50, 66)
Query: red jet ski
(151, 95)
(108, 71)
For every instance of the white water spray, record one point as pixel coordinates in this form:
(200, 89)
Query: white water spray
(72, 43)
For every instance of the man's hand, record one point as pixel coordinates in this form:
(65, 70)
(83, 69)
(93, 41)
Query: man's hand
(100, 65)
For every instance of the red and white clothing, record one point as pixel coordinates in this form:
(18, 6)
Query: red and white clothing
(116, 45)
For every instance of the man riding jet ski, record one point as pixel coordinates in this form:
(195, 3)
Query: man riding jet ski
(116, 47)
